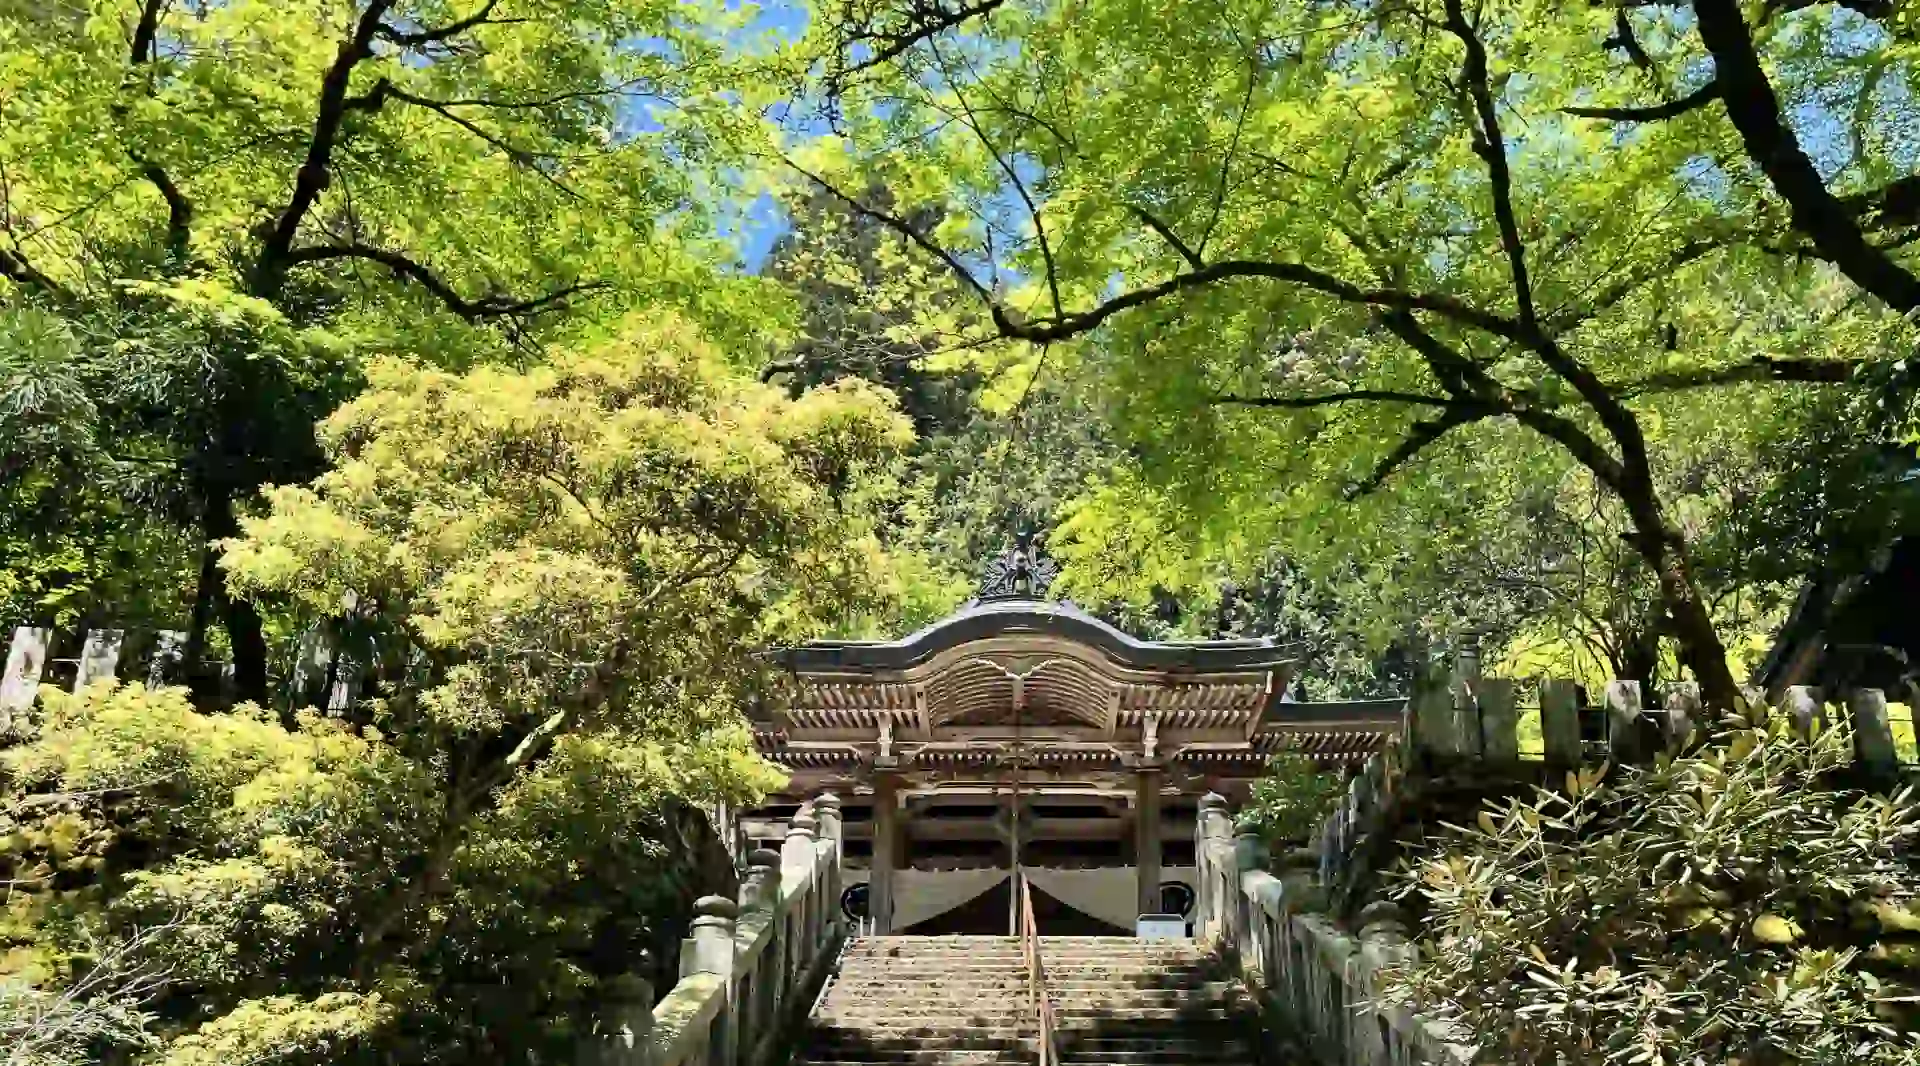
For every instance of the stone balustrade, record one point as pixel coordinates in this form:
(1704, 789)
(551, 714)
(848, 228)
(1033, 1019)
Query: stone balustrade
(750, 968)
(1316, 983)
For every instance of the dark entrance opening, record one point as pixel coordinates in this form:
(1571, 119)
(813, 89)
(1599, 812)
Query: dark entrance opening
(986, 915)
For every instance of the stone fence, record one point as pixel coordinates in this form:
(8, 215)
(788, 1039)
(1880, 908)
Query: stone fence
(750, 969)
(1316, 983)
(1318, 977)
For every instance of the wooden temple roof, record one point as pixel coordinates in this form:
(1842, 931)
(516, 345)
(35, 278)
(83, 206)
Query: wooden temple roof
(1045, 684)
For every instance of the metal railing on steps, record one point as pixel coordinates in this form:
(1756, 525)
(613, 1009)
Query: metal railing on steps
(1039, 998)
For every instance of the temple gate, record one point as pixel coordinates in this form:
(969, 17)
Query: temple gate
(1023, 732)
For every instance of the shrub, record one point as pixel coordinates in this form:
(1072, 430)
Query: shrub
(1732, 906)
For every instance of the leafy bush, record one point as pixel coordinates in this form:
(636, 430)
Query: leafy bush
(1733, 906)
(1291, 800)
(565, 572)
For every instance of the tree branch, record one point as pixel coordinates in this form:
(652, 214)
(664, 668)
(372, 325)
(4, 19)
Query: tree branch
(1813, 371)
(1423, 435)
(1297, 403)
(1019, 187)
(418, 38)
(146, 33)
(933, 20)
(1166, 234)
(1755, 112)
(384, 89)
(270, 266)
(1492, 149)
(1693, 101)
(409, 269)
(903, 228)
(1226, 163)
(1627, 41)
(15, 267)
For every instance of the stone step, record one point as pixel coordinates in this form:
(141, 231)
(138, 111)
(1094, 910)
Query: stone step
(1081, 1008)
(1131, 949)
(960, 967)
(1059, 996)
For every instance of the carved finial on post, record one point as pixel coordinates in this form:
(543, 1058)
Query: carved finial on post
(1249, 847)
(1803, 708)
(826, 808)
(798, 848)
(762, 888)
(710, 947)
(1383, 922)
(1215, 823)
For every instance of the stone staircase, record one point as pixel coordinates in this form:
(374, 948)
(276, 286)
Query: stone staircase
(919, 1001)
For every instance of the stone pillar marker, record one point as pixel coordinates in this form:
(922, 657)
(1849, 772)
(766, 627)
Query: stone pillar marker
(1804, 707)
(1623, 703)
(886, 818)
(1146, 839)
(99, 657)
(26, 665)
(1873, 734)
(1560, 723)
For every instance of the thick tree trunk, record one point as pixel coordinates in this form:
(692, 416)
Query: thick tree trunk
(1639, 655)
(1665, 551)
(245, 635)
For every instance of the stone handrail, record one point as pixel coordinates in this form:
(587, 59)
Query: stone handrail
(749, 969)
(1317, 984)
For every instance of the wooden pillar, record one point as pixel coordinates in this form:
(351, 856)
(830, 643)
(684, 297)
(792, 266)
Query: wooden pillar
(1146, 837)
(886, 823)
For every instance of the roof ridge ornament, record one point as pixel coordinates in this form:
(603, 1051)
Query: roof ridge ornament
(1024, 572)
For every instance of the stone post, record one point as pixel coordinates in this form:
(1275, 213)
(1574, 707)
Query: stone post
(1560, 723)
(169, 651)
(1499, 720)
(1465, 689)
(1214, 828)
(711, 950)
(1434, 716)
(1803, 708)
(1383, 942)
(99, 657)
(826, 807)
(20, 684)
(1623, 720)
(1873, 734)
(1249, 849)
(886, 816)
(761, 891)
(1146, 838)
(1683, 713)
(797, 866)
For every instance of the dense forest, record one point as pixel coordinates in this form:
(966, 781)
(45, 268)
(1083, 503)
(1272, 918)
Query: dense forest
(564, 355)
